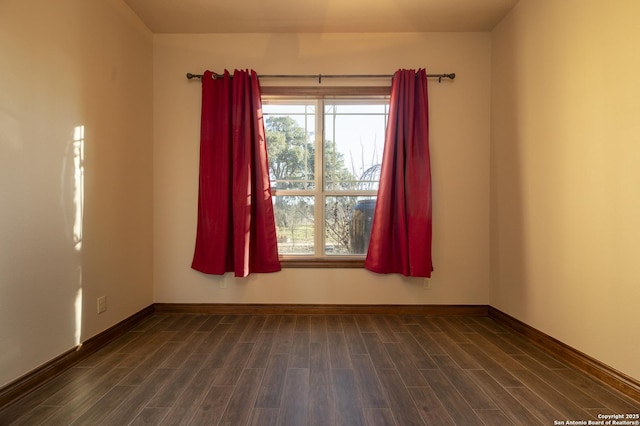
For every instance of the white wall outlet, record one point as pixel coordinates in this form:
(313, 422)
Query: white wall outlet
(223, 282)
(102, 304)
(426, 284)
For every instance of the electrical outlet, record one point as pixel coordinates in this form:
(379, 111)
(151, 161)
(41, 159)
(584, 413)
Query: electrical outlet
(223, 283)
(102, 304)
(426, 284)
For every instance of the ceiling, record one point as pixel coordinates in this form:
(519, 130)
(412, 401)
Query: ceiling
(319, 16)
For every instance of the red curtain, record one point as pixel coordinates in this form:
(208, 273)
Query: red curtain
(236, 228)
(401, 231)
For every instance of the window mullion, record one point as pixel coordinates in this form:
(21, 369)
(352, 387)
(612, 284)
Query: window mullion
(319, 186)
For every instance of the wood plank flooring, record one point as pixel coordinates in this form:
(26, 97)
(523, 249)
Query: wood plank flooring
(187, 369)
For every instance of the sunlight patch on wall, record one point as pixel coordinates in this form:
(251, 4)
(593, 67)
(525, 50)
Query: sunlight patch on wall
(78, 208)
(78, 193)
(78, 308)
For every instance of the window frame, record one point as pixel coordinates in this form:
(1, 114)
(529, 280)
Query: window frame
(319, 193)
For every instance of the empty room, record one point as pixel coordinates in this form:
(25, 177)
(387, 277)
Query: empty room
(439, 220)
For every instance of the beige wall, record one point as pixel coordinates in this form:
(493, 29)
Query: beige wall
(565, 183)
(460, 161)
(67, 64)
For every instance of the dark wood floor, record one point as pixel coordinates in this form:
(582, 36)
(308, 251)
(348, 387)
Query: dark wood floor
(318, 370)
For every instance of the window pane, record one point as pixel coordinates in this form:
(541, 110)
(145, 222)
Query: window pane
(294, 224)
(348, 222)
(361, 108)
(354, 141)
(290, 130)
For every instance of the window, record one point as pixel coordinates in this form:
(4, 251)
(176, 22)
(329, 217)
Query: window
(324, 162)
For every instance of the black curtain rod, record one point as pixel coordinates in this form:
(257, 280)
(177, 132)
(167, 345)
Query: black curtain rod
(450, 76)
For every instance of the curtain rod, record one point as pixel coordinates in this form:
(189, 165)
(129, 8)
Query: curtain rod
(450, 76)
